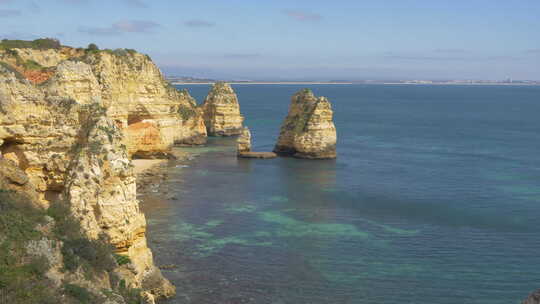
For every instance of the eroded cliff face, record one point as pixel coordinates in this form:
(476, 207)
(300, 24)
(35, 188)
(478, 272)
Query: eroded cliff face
(101, 190)
(308, 130)
(73, 150)
(221, 111)
(153, 114)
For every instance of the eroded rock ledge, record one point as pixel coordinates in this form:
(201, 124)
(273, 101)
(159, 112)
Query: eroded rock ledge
(308, 130)
(243, 147)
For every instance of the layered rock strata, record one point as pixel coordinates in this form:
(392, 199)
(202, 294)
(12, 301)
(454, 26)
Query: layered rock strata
(69, 138)
(308, 130)
(153, 114)
(243, 143)
(221, 111)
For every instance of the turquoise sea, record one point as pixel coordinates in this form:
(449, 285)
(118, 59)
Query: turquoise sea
(434, 199)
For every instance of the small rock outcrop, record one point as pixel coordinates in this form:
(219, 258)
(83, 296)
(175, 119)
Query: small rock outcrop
(243, 147)
(221, 111)
(243, 143)
(533, 298)
(308, 130)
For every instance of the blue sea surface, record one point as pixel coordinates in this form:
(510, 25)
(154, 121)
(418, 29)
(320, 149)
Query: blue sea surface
(434, 198)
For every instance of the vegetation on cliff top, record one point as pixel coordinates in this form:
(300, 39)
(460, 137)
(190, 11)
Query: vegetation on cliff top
(39, 44)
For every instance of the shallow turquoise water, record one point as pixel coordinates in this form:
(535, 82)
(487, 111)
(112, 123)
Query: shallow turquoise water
(435, 198)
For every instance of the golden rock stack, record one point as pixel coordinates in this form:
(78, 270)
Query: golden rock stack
(308, 130)
(221, 111)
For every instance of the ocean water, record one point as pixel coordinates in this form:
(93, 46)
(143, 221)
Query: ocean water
(434, 198)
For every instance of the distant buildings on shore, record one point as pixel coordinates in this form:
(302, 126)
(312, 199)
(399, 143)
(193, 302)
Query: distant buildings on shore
(508, 81)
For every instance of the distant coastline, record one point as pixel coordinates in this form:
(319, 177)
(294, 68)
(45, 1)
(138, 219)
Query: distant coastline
(261, 82)
(178, 80)
(358, 83)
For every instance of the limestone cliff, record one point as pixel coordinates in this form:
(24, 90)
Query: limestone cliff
(66, 137)
(308, 130)
(153, 114)
(49, 259)
(221, 111)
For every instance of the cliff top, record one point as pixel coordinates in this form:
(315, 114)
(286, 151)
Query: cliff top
(38, 44)
(37, 60)
(221, 88)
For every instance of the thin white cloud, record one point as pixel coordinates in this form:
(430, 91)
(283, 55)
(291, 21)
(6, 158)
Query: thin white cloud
(302, 15)
(450, 51)
(199, 23)
(242, 55)
(136, 3)
(118, 28)
(9, 13)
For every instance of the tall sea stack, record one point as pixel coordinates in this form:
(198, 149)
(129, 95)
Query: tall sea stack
(221, 111)
(308, 130)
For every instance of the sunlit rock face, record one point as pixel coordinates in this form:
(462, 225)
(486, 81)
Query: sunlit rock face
(221, 111)
(243, 143)
(65, 136)
(137, 97)
(308, 130)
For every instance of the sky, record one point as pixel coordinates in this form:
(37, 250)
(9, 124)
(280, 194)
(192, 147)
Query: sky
(299, 40)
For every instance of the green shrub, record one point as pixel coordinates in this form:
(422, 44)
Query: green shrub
(186, 112)
(130, 295)
(121, 259)
(41, 44)
(78, 250)
(21, 276)
(11, 69)
(80, 293)
(32, 65)
(92, 47)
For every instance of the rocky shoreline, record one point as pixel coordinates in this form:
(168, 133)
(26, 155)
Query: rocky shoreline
(151, 174)
(94, 131)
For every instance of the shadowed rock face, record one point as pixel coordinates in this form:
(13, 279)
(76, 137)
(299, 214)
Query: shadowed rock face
(221, 111)
(308, 130)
